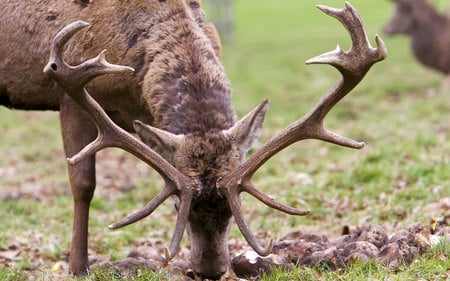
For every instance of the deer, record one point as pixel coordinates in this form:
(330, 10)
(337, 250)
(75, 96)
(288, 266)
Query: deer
(166, 72)
(428, 29)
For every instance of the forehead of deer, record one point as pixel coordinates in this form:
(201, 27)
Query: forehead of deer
(209, 145)
(211, 153)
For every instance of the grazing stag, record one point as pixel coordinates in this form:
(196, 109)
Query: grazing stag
(162, 40)
(429, 32)
(178, 91)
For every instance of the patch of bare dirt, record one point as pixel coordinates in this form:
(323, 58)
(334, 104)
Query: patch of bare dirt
(292, 249)
(386, 244)
(116, 172)
(370, 242)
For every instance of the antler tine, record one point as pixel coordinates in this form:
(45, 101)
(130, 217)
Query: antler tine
(77, 76)
(251, 189)
(353, 65)
(182, 219)
(235, 206)
(232, 191)
(60, 40)
(352, 22)
(168, 191)
(73, 80)
(180, 225)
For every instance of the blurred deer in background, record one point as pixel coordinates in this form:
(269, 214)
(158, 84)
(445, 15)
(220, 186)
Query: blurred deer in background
(429, 31)
(178, 91)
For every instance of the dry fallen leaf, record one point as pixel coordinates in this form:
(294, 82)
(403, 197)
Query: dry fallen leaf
(56, 267)
(10, 254)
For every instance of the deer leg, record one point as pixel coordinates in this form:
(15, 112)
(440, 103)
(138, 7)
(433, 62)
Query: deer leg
(77, 131)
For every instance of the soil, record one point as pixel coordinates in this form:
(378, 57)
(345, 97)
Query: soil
(370, 242)
(298, 248)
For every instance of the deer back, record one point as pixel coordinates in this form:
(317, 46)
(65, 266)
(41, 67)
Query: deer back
(138, 33)
(189, 99)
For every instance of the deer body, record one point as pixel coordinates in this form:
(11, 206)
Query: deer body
(132, 37)
(176, 97)
(428, 29)
(178, 85)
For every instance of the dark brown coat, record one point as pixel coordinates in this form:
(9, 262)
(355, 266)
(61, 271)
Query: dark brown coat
(178, 85)
(180, 89)
(428, 29)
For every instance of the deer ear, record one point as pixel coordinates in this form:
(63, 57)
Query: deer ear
(248, 129)
(161, 141)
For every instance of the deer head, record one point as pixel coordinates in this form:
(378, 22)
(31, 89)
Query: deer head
(206, 172)
(407, 15)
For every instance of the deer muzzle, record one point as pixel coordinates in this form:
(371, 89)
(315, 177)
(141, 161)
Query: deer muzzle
(208, 230)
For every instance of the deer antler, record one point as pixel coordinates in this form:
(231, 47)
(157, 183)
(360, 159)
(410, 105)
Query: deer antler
(73, 80)
(353, 65)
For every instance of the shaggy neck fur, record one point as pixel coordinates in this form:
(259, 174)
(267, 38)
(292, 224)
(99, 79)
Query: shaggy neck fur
(186, 87)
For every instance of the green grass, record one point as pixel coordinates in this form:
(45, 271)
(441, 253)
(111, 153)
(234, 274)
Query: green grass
(433, 265)
(95, 275)
(399, 110)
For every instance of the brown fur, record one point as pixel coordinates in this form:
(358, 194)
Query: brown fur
(429, 32)
(133, 37)
(178, 85)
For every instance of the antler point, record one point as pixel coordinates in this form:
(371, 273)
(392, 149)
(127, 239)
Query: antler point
(83, 23)
(321, 7)
(167, 256)
(361, 145)
(71, 160)
(269, 247)
(381, 46)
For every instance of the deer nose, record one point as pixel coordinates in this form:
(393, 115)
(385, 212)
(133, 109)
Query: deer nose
(212, 267)
(210, 275)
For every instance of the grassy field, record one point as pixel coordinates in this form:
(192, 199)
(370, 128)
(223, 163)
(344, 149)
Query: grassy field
(400, 110)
